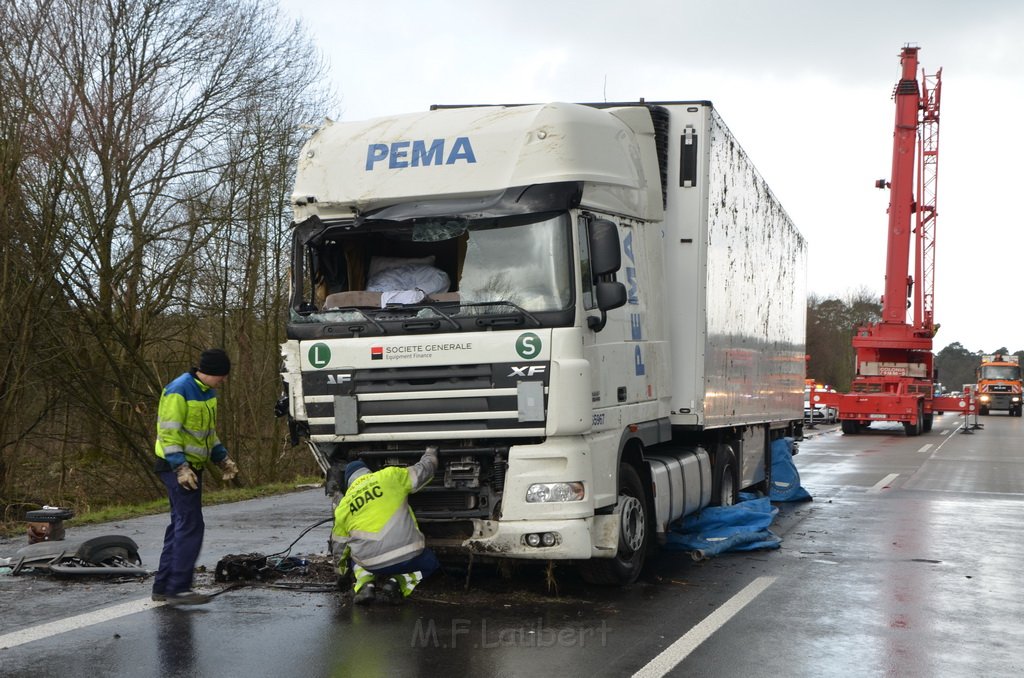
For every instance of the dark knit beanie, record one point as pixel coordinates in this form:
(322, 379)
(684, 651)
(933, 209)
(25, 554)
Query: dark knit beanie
(353, 470)
(215, 362)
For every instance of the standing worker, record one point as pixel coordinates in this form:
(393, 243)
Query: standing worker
(186, 440)
(375, 526)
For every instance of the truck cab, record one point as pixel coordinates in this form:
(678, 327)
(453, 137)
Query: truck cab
(999, 384)
(541, 292)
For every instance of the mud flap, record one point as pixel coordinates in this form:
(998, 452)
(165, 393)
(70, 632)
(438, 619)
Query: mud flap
(606, 534)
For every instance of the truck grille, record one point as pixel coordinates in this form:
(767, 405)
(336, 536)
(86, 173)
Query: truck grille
(427, 399)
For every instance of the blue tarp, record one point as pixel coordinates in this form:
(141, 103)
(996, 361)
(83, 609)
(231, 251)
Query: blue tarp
(785, 478)
(744, 526)
(741, 527)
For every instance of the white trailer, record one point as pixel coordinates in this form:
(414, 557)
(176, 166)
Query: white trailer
(595, 311)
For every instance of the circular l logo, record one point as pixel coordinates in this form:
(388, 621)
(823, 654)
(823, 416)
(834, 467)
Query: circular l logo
(319, 355)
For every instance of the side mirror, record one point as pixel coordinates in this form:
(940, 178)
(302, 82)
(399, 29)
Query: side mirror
(610, 295)
(605, 249)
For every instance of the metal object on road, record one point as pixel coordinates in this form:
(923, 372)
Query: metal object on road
(109, 554)
(47, 523)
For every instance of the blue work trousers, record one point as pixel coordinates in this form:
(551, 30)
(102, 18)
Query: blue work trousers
(425, 563)
(183, 538)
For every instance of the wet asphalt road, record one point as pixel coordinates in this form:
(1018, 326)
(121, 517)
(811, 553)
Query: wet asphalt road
(905, 564)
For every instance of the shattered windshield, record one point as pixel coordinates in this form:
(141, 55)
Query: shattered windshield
(526, 264)
(437, 267)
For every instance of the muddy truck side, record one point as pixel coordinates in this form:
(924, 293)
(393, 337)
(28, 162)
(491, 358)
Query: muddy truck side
(595, 311)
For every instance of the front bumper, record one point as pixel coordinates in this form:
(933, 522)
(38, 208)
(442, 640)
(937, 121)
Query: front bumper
(999, 401)
(576, 539)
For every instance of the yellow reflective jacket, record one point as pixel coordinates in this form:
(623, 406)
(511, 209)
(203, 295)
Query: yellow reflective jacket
(186, 424)
(374, 519)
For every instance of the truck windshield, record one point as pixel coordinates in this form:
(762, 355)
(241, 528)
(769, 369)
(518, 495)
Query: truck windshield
(514, 270)
(525, 264)
(1008, 372)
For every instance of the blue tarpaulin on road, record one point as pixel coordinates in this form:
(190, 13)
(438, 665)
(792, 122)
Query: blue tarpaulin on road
(743, 526)
(785, 485)
(714, 530)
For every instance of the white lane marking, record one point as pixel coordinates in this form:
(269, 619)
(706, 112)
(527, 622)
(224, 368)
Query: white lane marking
(34, 633)
(944, 432)
(688, 642)
(925, 448)
(881, 484)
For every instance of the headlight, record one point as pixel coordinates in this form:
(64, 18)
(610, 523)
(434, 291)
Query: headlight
(540, 493)
(983, 398)
(1015, 399)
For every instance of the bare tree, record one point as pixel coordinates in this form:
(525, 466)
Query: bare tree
(28, 394)
(831, 324)
(161, 137)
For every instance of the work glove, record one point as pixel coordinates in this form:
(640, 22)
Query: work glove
(187, 477)
(228, 469)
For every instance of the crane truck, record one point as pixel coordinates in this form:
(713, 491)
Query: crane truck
(894, 378)
(999, 384)
(595, 311)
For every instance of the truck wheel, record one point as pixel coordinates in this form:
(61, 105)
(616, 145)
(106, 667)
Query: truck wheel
(929, 421)
(723, 483)
(915, 429)
(634, 536)
(983, 411)
(850, 427)
(101, 550)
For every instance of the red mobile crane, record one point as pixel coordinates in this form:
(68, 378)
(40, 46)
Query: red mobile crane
(894, 379)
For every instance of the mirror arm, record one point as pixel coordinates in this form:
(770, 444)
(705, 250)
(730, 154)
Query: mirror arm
(597, 324)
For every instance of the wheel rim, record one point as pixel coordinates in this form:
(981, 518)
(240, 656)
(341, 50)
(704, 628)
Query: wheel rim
(727, 488)
(632, 525)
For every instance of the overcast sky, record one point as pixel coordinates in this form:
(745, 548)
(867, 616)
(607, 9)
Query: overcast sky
(805, 85)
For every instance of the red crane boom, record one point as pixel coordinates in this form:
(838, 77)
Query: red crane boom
(894, 379)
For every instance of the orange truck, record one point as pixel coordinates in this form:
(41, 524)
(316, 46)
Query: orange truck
(999, 384)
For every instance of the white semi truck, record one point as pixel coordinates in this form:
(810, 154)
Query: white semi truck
(595, 311)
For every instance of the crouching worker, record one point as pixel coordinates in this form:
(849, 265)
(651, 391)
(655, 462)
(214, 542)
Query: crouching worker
(375, 528)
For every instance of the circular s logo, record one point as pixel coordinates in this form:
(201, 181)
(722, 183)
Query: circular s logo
(528, 345)
(319, 355)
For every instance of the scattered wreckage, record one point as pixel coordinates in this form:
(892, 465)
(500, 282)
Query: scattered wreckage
(48, 552)
(109, 554)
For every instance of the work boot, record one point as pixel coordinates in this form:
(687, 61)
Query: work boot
(365, 595)
(158, 597)
(391, 592)
(187, 598)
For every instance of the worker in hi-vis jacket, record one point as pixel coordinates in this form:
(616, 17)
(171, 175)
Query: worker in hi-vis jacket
(375, 527)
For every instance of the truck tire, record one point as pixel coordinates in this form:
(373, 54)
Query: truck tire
(929, 421)
(723, 480)
(634, 536)
(101, 550)
(850, 427)
(915, 428)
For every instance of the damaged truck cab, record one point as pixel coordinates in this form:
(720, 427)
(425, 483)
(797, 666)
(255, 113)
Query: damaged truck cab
(594, 311)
